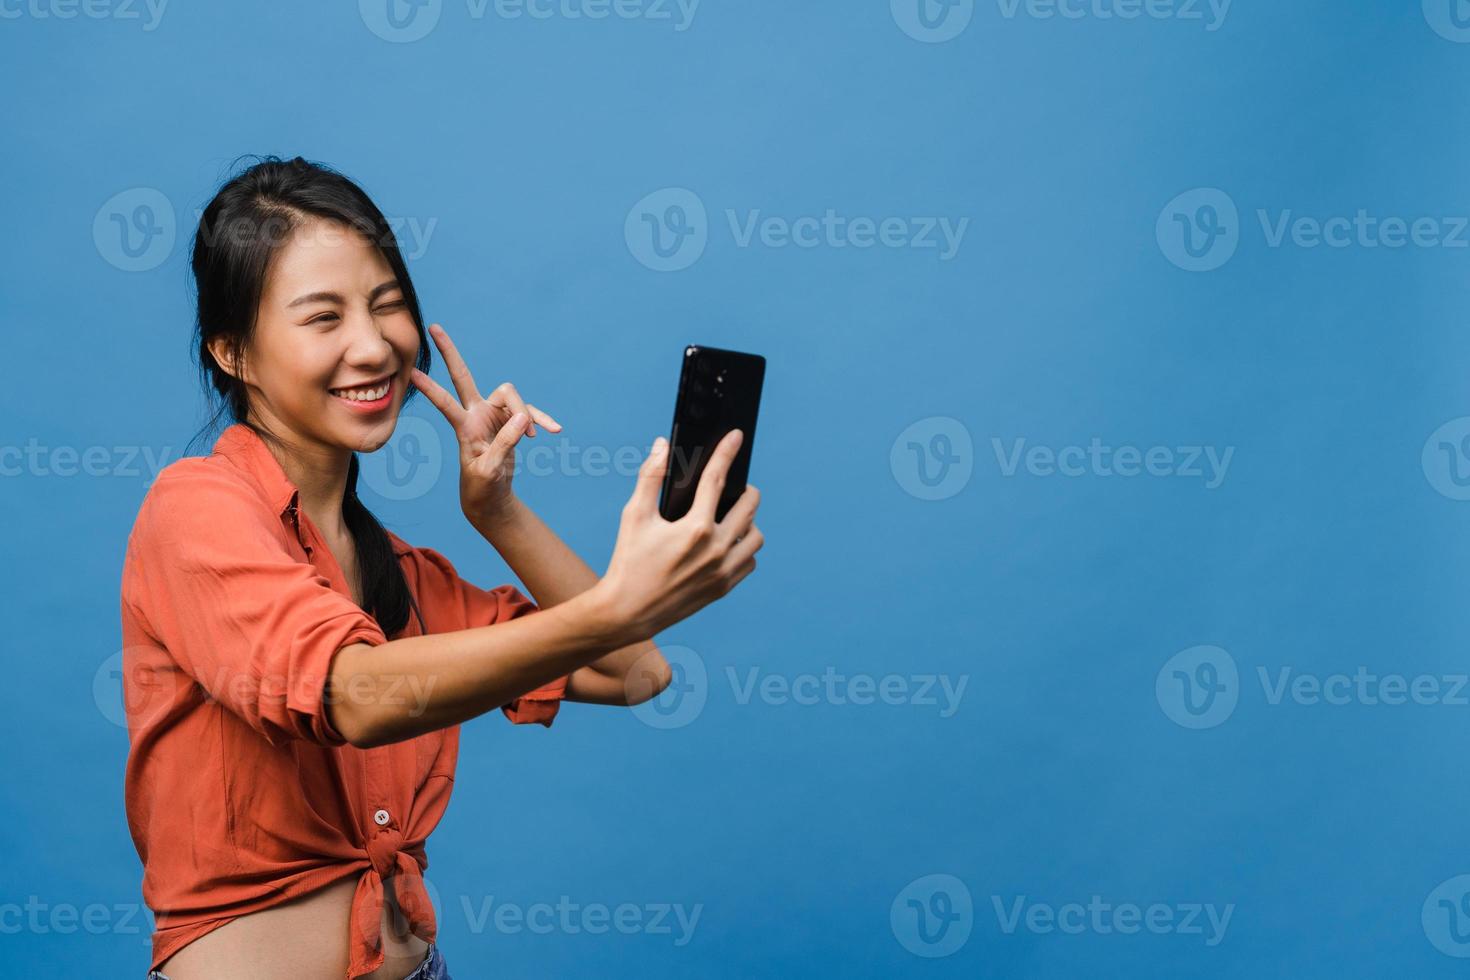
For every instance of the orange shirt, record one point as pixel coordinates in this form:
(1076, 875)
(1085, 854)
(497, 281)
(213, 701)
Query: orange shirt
(240, 795)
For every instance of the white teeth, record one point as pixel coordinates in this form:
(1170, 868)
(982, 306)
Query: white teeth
(361, 394)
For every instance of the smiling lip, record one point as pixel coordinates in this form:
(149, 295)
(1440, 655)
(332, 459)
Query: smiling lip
(366, 407)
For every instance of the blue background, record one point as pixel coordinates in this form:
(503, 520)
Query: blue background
(1328, 547)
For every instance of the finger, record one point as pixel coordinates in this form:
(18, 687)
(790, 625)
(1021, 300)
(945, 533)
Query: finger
(744, 550)
(644, 501)
(539, 416)
(508, 399)
(438, 397)
(742, 513)
(740, 573)
(504, 443)
(459, 371)
(712, 480)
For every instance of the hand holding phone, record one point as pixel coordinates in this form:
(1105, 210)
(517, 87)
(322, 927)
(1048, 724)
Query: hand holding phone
(663, 571)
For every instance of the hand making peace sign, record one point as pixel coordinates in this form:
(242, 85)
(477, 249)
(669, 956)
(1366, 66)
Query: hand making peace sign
(488, 429)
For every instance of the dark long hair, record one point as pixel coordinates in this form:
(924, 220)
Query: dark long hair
(250, 217)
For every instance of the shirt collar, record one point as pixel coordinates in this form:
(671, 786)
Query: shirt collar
(248, 451)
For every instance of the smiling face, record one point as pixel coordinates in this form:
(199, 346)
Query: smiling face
(334, 342)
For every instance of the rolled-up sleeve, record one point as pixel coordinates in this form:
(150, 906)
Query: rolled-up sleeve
(211, 577)
(475, 606)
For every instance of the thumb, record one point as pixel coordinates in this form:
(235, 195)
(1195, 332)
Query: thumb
(651, 477)
(510, 433)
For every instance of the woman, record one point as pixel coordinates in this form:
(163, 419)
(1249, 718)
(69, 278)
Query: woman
(295, 674)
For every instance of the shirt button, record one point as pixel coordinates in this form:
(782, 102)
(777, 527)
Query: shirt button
(381, 818)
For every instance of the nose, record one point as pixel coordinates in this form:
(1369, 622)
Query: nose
(367, 347)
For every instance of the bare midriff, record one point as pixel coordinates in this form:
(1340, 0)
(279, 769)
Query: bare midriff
(303, 939)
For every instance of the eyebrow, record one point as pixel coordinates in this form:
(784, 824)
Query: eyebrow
(330, 297)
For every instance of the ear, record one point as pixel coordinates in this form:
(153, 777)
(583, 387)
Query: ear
(220, 350)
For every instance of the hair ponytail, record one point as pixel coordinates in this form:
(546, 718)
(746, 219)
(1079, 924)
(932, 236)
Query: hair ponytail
(381, 574)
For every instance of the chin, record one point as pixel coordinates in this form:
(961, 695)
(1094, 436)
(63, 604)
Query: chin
(370, 434)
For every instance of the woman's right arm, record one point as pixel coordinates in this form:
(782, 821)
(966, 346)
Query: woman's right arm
(402, 688)
(660, 573)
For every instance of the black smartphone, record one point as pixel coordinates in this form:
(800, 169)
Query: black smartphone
(719, 390)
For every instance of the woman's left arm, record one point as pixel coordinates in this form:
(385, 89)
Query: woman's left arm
(553, 573)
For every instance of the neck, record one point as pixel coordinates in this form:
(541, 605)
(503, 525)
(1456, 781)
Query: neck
(319, 473)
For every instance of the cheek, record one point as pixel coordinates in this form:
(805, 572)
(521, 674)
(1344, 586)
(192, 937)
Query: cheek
(404, 337)
(286, 364)
(305, 370)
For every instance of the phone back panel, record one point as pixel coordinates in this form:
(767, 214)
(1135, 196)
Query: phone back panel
(719, 390)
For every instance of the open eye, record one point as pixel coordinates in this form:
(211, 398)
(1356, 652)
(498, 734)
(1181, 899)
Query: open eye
(391, 305)
(323, 318)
